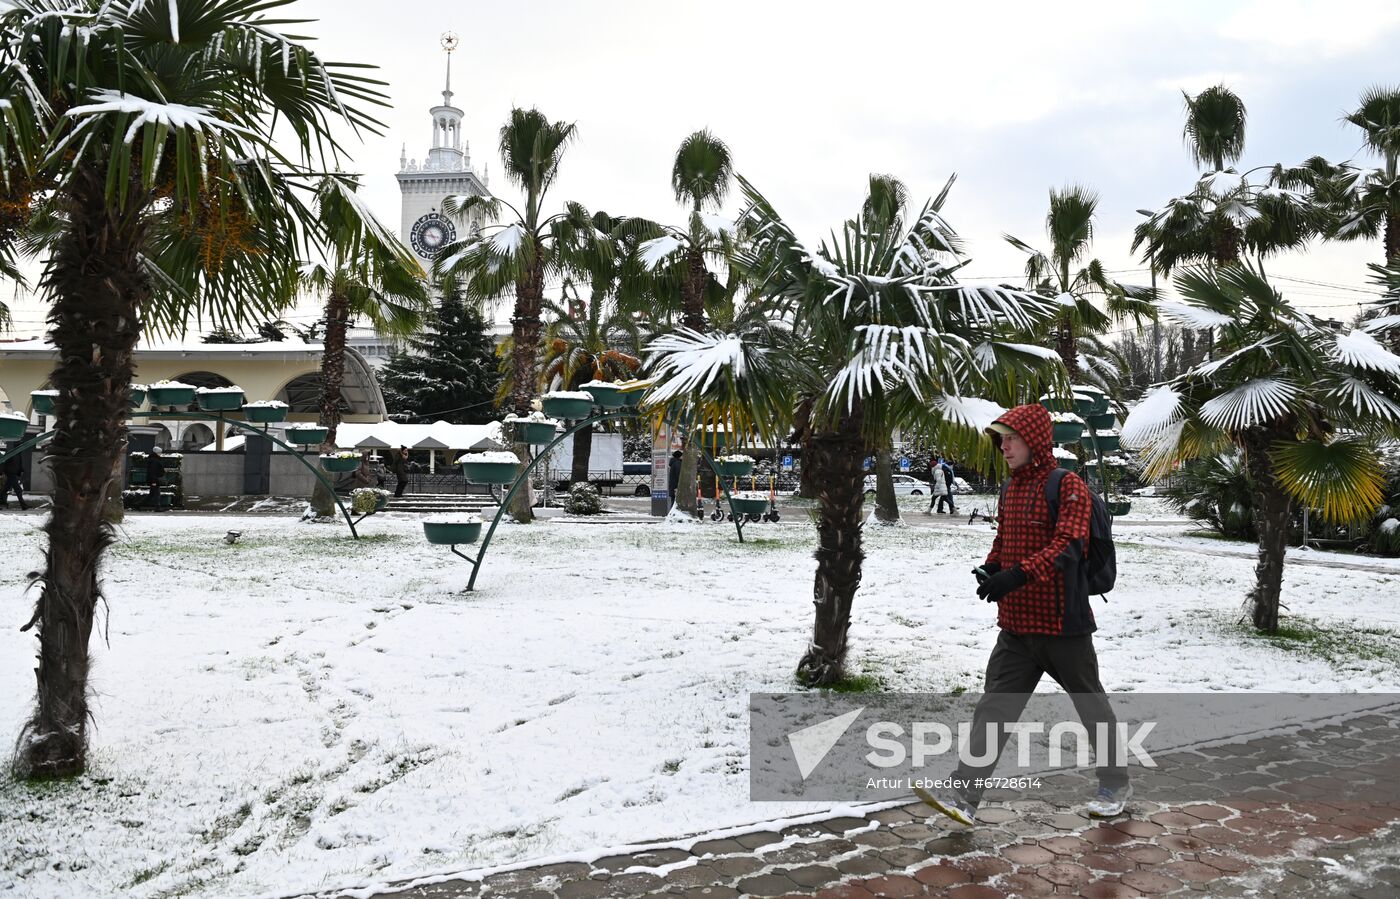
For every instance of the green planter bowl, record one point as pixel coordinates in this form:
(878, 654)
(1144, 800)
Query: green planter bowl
(490, 472)
(220, 402)
(609, 396)
(136, 396)
(264, 415)
(308, 435)
(1100, 406)
(734, 469)
(381, 504)
(1058, 404)
(1120, 508)
(712, 442)
(1105, 443)
(337, 464)
(1088, 405)
(565, 407)
(138, 476)
(171, 396)
(749, 506)
(535, 433)
(12, 428)
(43, 402)
(1103, 421)
(631, 399)
(451, 533)
(1069, 464)
(1068, 431)
(165, 500)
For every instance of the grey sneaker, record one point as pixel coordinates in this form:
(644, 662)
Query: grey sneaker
(1109, 803)
(951, 804)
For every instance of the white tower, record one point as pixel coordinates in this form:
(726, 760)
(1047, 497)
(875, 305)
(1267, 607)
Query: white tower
(447, 171)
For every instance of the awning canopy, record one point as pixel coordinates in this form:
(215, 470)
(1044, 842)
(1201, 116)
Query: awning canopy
(438, 435)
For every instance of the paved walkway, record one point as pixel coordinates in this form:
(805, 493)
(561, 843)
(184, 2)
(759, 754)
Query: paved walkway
(1272, 826)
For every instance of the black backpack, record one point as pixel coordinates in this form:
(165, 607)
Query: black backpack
(1100, 558)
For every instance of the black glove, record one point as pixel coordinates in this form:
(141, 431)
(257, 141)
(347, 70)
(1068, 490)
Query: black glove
(982, 572)
(996, 587)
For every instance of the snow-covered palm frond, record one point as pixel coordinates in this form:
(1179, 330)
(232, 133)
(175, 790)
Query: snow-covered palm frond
(1193, 316)
(505, 242)
(1253, 403)
(1360, 350)
(886, 357)
(718, 224)
(174, 116)
(984, 305)
(1159, 412)
(1365, 401)
(1208, 369)
(820, 264)
(653, 253)
(1382, 324)
(1221, 183)
(970, 412)
(687, 362)
(1158, 454)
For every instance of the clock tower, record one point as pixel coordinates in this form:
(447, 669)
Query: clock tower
(446, 171)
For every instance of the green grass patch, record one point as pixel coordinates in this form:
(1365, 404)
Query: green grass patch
(1332, 643)
(857, 683)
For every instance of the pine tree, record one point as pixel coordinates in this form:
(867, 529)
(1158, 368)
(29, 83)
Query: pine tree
(448, 372)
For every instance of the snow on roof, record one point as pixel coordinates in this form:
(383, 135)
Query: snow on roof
(438, 435)
(190, 346)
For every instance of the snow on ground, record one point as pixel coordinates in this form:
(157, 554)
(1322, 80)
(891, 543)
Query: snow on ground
(299, 711)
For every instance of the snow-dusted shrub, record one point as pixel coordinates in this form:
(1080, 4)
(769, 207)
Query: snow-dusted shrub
(583, 499)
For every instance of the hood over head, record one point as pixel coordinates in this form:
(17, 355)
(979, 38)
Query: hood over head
(1033, 423)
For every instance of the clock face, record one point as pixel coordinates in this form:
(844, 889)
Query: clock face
(430, 234)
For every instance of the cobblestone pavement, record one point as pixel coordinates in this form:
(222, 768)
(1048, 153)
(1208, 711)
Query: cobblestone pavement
(1272, 823)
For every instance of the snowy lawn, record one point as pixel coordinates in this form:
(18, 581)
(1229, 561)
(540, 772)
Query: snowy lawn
(299, 711)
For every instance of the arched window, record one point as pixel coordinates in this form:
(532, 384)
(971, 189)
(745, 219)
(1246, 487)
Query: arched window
(196, 436)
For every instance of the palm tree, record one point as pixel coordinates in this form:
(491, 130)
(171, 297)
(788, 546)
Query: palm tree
(158, 189)
(516, 256)
(588, 340)
(700, 176)
(1226, 215)
(369, 274)
(885, 200)
(1078, 286)
(1306, 406)
(1373, 195)
(863, 333)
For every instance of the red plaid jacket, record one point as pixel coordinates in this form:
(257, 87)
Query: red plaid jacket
(1026, 538)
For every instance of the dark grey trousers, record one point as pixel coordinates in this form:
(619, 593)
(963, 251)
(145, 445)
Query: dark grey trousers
(1017, 663)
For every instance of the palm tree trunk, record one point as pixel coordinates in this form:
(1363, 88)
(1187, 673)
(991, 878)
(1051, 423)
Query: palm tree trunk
(840, 480)
(802, 434)
(1392, 238)
(1065, 345)
(886, 504)
(1272, 510)
(332, 380)
(526, 329)
(583, 453)
(98, 287)
(685, 484)
(693, 295)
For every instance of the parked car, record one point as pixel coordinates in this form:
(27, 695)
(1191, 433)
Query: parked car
(904, 485)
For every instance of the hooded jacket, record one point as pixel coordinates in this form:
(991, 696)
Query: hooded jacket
(1048, 555)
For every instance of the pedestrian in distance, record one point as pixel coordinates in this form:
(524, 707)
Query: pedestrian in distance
(673, 474)
(14, 472)
(1039, 576)
(400, 466)
(155, 473)
(937, 486)
(945, 472)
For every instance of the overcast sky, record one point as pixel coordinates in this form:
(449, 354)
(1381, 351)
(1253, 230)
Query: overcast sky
(812, 97)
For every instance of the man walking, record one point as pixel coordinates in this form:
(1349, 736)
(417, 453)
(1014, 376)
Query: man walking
(945, 471)
(1036, 576)
(400, 464)
(155, 473)
(14, 470)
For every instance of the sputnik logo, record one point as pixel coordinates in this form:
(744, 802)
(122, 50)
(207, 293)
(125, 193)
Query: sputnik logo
(811, 744)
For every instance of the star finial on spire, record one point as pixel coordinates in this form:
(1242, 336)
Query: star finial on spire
(449, 43)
